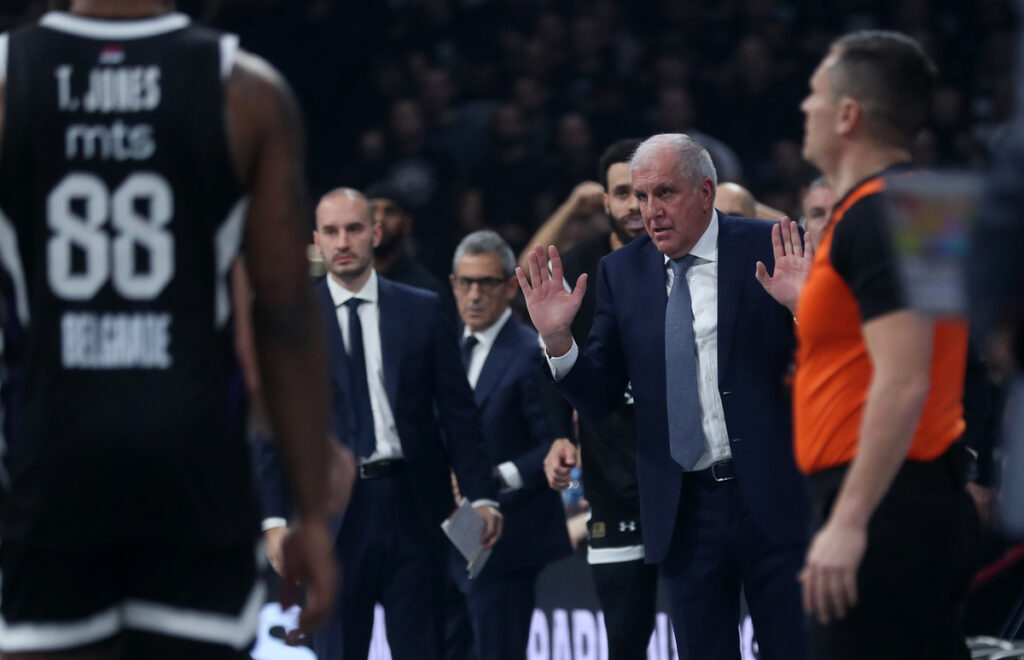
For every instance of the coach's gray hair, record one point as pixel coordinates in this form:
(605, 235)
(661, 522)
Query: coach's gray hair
(486, 241)
(694, 160)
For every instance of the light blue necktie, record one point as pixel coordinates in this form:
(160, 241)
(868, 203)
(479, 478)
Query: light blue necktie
(685, 432)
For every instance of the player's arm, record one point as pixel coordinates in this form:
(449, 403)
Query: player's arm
(586, 196)
(268, 143)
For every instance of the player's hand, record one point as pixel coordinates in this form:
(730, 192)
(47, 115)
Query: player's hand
(551, 307)
(586, 197)
(985, 502)
(309, 559)
(793, 260)
(559, 462)
(829, 576)
(493, 524)
(273, 543)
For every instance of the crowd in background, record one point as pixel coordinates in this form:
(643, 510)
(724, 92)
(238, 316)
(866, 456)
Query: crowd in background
(487, 113)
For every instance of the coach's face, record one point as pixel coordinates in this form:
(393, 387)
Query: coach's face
(345, 236)
(675, 211)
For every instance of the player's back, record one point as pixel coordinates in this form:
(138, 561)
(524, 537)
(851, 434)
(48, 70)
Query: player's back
(120, 216)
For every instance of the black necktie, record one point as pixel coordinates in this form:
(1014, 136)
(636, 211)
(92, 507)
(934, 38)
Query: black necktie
(467, 351)
(364, 442)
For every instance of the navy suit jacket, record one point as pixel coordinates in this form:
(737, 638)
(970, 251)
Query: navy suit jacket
(515, 429)
(755, 348)
(437, 421)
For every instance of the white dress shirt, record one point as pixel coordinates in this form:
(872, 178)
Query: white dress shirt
(485, 340)
(389, 446)
(702, 278)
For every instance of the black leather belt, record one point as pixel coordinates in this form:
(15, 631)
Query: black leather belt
(721, 471)
(388, 467)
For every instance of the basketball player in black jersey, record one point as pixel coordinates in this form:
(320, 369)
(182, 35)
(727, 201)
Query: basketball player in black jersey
(138, 153)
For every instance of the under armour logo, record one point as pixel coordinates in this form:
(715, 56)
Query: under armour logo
(627, 526)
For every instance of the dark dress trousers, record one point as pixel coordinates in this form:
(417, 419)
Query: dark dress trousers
(708, 537)
(389, 543)
(500, 601)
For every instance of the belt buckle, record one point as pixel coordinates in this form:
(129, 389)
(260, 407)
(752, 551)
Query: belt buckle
(363, 472)
(714, 473)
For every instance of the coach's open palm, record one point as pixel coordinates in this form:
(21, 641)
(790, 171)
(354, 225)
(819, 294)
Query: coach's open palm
(552, 308)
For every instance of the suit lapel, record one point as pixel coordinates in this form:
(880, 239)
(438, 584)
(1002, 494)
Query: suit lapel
(335, 343)
(392, 332)
(651, 296)
(497, 362)
(731, 270)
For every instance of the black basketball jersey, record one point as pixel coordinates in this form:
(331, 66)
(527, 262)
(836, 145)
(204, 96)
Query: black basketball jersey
(120, 217)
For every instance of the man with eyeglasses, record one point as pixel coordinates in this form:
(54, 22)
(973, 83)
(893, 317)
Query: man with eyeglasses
(503, 365)
(816, 207)
(400, 402)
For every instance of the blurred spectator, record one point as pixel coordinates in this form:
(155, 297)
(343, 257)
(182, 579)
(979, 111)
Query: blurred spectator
(734, 199)
(573, 159)
(393, 257)
(426, 178)
(503, 192)
(675, 114)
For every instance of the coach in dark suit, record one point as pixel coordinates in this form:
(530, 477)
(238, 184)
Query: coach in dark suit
(681, 317)
(503, 364)
(402, 404)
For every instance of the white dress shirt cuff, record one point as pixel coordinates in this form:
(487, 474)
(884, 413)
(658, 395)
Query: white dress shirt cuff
(491, 503)
(271, 523)
(560, 366)
(510, 475)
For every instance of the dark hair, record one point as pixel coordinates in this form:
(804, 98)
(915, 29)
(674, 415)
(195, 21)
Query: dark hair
(891, 77)
(618, 152)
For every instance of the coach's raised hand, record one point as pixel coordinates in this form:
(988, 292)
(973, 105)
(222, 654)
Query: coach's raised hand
(552, 308)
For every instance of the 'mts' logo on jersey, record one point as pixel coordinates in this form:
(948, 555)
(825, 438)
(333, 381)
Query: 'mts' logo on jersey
(108, 89)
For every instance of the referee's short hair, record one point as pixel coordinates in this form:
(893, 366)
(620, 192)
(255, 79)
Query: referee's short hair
(890, 76)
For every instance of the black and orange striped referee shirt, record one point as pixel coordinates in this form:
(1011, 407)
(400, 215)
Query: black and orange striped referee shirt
(854, 279)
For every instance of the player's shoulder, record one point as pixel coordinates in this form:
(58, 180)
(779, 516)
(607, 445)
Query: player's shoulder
(252, 76)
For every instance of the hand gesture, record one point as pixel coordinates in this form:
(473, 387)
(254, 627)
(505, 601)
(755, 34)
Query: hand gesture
(559, 462)
(308, 558)
(793, 261)
(493, 524)
(829, 576)
(551, 307)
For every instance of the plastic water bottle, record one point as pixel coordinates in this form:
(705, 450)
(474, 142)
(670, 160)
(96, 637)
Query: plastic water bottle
(572, 495)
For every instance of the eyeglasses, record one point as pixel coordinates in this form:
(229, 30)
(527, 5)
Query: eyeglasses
(486, 284)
